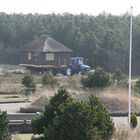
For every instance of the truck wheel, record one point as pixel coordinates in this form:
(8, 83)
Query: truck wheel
(69, 72)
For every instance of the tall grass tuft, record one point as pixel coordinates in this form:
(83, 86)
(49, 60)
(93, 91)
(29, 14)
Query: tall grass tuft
(127, 134)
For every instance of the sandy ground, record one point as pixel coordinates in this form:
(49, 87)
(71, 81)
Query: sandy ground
(12, 107)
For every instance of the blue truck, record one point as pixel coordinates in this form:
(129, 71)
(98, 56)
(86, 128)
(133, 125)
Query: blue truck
(77, 66)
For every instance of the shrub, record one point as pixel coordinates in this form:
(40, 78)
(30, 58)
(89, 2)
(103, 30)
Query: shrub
(74, 123)
(72, 83)
(134, 120)
(104, 122)
(65, 118)
(63, 71)
(36, 106)
(49, 80)
(137, 86)
(51, 109)
(29, 84)
(4, 131)
(97, 79)
(119, 78)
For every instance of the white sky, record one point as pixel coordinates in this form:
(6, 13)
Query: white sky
(93, 7)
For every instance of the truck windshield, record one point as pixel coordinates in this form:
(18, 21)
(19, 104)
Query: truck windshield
(80, 61)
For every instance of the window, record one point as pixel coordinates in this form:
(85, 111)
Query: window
(29, 57)
(49, 56)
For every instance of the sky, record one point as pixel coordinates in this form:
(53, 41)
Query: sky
(91, 7)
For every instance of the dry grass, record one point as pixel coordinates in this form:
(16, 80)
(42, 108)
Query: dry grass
(22, 137)
(39, 100)
(10, 88)
(127, 134)
(12, 100)
(10, 84)
(116, 100)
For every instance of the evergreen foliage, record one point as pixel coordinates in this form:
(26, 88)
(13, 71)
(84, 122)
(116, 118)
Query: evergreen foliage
(29, 84)
(4, 128)
(49, 80)
(102, 39)
(97, 79)
(66, 119)
(104, 122)
(61, 99)
(137, 87)
(119, 78)
(134, 121)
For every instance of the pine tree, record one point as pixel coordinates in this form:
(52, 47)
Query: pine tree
(67, 119)
(29, 84)
(4, 131)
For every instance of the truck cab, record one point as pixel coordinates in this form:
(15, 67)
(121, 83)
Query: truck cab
(77, 66)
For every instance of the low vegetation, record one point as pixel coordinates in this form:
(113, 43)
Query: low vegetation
(21, 137)
(72, 83)
(4, 129)
(127, 134)
(65, 118)
(119, 79)
(134, 121)
(97, 79)
(120, 134)
(29, 85)
(36, 106)
(137, 86)
(48, 80)
(114, 98)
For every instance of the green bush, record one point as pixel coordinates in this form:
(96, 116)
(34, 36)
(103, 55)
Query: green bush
(51, 109)
(104, 122)
(4, 130)
(63, 71)
(134, 121)
(97, 79)
(29, 84)
(49, 80)
(67, 119)
(119, 79)
(137, 86)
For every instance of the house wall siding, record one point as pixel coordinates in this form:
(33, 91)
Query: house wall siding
(61, 58)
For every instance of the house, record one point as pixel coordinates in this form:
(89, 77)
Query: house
(44, 52)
